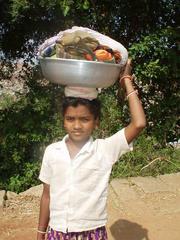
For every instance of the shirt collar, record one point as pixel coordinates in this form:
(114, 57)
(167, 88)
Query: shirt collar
(86, 148)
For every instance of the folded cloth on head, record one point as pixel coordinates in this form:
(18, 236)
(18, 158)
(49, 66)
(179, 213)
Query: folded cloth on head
(81, 92)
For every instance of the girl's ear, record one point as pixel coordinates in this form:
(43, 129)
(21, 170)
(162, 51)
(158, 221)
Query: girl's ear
(97, 123)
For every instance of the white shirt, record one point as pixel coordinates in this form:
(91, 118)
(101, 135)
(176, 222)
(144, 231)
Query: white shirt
(78, 186)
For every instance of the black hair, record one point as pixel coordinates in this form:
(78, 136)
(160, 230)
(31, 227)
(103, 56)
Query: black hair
(94, 105)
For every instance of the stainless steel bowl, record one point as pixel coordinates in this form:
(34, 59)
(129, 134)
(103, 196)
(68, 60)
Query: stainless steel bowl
(81, 73)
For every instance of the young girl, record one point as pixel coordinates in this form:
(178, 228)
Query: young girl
(76, 170)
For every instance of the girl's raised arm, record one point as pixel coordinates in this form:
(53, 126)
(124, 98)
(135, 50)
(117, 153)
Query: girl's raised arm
(138, 119)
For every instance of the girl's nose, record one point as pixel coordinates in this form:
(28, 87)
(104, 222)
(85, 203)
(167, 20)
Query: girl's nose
(77, 124)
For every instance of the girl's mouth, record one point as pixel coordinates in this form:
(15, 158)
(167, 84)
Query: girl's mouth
(77, 133)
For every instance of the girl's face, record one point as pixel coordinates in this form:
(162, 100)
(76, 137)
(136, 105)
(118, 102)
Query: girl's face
(79, 123)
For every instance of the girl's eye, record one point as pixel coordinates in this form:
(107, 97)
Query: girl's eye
(85, 119)
(69, 119)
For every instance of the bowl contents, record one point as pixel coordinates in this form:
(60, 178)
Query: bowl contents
(80, 45)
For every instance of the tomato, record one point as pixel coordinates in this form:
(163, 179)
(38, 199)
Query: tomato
(103, 55)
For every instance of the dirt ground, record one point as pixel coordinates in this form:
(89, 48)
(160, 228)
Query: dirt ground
(145, 216)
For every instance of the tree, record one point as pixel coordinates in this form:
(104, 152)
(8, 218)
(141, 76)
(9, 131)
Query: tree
(147, 28)
(126, 21)
(156, 60)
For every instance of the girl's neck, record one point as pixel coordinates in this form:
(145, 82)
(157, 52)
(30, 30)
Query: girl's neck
(74, 147)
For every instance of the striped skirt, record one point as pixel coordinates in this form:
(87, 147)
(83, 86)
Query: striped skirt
(97, 234)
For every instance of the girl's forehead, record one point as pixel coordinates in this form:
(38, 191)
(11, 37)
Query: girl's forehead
(79, 110)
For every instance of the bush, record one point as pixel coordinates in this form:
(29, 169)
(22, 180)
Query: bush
(28, 178)
(27, 125)
(147, 159)
(156, 61)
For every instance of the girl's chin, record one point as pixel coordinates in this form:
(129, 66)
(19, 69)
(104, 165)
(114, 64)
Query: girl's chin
(78, 138)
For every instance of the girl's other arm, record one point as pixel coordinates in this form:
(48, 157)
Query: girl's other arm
(138, 119)
(44, 213)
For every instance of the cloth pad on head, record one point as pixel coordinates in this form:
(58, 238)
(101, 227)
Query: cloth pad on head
(81, 92)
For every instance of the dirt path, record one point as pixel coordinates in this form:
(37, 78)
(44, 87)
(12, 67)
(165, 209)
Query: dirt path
(139, 209)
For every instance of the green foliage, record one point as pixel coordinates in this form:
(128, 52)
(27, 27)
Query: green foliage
(156, 63)
(27, 126)
(30, 122)
(18, 7)
(111, 115)
(6, 101)
(147, 159)
(27, 178)
(125, 21)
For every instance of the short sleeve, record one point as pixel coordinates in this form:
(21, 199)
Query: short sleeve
(117, 145)
(45, 172)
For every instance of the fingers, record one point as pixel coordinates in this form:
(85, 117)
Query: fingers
(129, 61)
(128, 67)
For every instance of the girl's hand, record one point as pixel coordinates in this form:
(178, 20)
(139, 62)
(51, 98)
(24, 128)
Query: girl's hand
(128, 67)
(41, 236)
(126, 76)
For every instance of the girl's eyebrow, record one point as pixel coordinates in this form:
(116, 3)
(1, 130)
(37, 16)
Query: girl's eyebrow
(84, 117)
(68, 116)
(80, 116)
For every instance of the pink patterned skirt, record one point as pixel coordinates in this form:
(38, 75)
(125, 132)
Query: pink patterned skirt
(96, 234)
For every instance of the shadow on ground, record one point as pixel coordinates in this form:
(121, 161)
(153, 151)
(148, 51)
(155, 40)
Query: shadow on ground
(126, 230)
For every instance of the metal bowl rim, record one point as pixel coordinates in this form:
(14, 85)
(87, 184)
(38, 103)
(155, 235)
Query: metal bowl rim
(80, 61)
